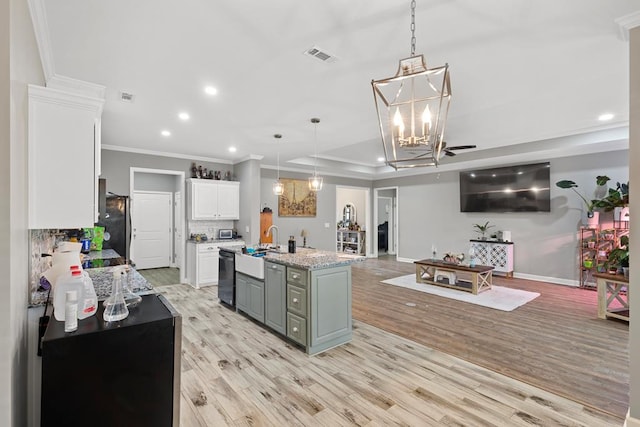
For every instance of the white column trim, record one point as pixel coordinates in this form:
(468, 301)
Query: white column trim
(628, 22)
(43, 37)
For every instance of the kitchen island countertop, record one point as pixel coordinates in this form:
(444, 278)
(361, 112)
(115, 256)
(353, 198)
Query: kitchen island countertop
(313, 259)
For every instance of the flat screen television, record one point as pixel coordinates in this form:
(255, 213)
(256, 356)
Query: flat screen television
(520, 188)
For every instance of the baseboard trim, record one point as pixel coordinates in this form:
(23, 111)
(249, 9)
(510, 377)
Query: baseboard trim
(630, 421)
(548, 279)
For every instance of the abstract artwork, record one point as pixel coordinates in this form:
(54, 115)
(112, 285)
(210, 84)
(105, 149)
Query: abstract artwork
(297, 199)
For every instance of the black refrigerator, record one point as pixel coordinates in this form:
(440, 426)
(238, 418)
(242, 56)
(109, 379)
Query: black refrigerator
(117, 222)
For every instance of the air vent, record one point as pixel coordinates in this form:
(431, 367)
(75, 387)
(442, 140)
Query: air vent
(126, 96)
(322, 55)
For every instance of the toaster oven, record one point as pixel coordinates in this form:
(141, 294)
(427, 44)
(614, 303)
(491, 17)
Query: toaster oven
(225, 234)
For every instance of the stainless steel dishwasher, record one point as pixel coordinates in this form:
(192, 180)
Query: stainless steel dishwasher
(227, 277)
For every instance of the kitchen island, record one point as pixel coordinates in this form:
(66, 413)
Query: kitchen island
(305, 296)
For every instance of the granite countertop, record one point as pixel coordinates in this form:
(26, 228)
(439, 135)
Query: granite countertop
(103, 254)
(313, 259)
(217, 241)
(102, 278)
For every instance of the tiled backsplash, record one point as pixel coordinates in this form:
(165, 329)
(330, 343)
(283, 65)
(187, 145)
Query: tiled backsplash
(41, 242)
(210, 228)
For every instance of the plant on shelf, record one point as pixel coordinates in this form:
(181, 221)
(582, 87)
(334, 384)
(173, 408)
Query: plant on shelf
(619, 257)
(587, 262)
(601, 181)
(616, 197)
(482, 229)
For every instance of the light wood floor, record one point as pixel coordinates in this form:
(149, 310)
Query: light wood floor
(555, 342)
(236, 373)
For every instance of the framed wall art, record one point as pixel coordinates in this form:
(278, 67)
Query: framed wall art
(297, 199)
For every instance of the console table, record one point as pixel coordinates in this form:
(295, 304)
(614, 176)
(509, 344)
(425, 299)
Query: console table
(496, 253)
(610, 290)
(474, 279)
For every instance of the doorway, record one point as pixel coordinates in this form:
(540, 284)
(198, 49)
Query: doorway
(385, 211)
(355, 202)
(152, 226)
(144, 180)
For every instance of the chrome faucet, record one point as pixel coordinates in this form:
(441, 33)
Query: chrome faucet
(270, 231)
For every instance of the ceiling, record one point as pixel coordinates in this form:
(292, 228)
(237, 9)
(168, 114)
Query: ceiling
(524, 75)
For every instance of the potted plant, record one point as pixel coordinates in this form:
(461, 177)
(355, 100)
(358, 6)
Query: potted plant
(482, 229)
(593, 216)
(617, 200)
(619, 257)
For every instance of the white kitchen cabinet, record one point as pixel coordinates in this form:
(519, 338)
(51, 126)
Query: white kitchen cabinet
(63, 158)
(202, 264)
(213, 200)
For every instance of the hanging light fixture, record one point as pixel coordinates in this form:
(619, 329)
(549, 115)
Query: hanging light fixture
(412, 109)
(315, 181)
(278, 187)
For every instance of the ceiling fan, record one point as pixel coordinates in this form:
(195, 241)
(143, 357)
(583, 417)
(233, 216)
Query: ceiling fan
(448, 151)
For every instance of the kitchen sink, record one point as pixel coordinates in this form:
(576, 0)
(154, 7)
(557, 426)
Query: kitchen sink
(250, 265)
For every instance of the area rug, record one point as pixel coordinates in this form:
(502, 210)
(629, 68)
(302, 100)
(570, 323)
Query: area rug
(498, 297)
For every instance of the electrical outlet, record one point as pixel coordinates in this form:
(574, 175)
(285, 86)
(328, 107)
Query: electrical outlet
(246, 229)
(327, 225)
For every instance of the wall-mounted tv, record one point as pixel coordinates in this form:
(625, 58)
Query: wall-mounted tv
(520, 188)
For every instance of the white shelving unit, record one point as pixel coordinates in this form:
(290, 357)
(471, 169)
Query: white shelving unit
(351, 242)
(496, 254)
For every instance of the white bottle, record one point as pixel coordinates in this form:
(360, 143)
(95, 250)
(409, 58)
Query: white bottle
(71, 311)
(88, 301)
(69, 281)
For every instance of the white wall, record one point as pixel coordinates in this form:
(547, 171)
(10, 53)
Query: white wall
(634, 240)
(545, 242)
(19, 65)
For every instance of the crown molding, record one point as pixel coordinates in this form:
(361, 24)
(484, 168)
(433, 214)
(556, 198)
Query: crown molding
(627, 22)
(65, 98)
(43, 38)
(164, 154)
(249, 157)
(76, 86)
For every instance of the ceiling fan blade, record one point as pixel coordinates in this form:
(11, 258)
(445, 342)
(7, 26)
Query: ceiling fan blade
(461, 147)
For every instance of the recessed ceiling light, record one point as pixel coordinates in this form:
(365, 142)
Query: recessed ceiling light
(210, 90)
(165, 133)
(605, 117)
(232, 149)
(381, 159)
(183, 116)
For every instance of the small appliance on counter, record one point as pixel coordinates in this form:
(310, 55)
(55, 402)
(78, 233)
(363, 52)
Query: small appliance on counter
(225, 234)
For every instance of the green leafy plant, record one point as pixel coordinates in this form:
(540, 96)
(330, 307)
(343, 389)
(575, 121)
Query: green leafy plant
(590, 205)
(482, 229)
(619, 257)
(616, 198)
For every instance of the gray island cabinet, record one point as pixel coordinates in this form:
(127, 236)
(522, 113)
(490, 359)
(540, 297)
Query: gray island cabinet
(307, 298)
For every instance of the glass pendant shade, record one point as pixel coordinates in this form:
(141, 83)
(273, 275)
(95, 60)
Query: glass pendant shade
(315, 183)
(278, 188)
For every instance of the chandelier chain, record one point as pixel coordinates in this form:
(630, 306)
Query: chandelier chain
(413, 27)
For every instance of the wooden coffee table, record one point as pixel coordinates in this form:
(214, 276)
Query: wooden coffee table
(613, 296)
(455, 276)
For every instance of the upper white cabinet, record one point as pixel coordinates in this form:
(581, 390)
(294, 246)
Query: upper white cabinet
(64, 158)
(213, 200)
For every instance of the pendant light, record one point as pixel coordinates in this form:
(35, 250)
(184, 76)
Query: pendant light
(315, 181)
(278, 187)
(412, 109)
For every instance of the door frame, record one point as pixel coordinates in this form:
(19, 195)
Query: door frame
(368, 231)
(395, 221)
(180, 181)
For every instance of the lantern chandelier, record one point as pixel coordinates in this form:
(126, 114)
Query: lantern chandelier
(412, 110)
(315, 181)
(278, 186)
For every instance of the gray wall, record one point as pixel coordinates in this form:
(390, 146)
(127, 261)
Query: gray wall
(319, 236)
(545, 242)
(116, 166)
(248, 174)
(156, 182)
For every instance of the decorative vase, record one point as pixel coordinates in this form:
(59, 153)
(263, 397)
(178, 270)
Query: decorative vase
(591, 219)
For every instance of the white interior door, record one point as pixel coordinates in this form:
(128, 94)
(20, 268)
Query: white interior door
(151, 217)
(177, 230)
